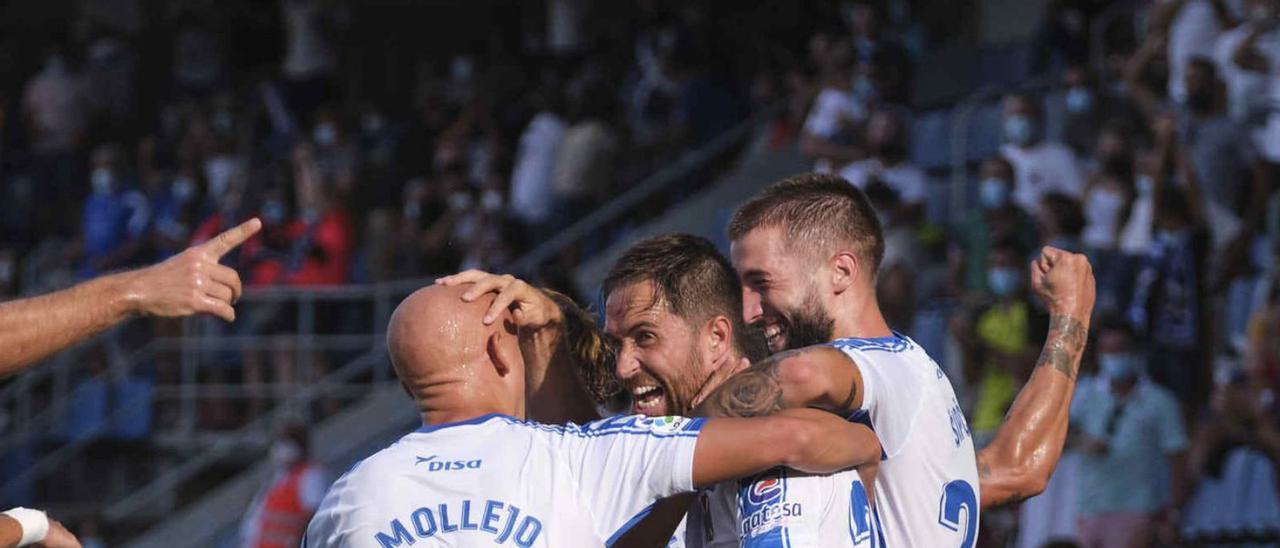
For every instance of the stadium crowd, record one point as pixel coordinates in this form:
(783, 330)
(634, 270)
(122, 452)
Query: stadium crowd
(1157, 156)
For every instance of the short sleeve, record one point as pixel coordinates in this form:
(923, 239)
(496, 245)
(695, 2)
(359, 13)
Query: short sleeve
(624, 464)
(1173, 437)
(891, 395)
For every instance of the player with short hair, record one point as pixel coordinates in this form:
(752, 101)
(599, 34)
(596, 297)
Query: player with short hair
(478, 472)
(807, 250)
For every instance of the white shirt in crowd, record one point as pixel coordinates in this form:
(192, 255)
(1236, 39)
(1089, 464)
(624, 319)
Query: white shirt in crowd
(496, 479)
(908, 180)
(535, 166)
(1044, 167)
(1193, 33)
(832, 110)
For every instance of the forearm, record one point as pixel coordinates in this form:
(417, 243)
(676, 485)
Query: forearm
(1018, 462)
(657, 528)
(557, 392)
(1178, 491)
(836, 444)
(34, 328)
(10, 532)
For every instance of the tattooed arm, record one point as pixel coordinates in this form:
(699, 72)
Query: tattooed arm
(1017, 464)
(817, 376)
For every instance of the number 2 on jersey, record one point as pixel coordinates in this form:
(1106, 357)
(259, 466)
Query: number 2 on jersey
(958, 496)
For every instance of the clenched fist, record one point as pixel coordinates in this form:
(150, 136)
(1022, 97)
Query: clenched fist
(1064, 281)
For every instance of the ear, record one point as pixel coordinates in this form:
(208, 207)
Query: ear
(717, 339)
(845, 268)
(505, 356)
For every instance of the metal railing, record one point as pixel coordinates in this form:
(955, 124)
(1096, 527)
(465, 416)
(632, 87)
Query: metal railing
(186, 394)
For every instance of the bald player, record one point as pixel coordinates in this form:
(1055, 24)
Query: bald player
(478, 473)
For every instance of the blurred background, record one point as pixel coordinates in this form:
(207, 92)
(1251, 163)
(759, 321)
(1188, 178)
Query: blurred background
(384, 142)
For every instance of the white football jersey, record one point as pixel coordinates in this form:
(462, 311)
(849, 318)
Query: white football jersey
(927, 487)
(498, 480)
(783, 508)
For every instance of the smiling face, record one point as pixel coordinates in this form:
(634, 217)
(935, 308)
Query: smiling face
(781, 290)
(658, 358)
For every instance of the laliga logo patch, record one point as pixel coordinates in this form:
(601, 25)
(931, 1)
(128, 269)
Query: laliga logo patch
(665, 424)
(765, 490)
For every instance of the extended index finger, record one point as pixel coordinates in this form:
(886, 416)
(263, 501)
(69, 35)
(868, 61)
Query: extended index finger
(223, 243)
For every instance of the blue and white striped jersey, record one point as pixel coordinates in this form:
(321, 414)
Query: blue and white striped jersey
(498, 480)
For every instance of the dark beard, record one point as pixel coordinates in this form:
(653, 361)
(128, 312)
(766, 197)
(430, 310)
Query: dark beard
(809, 325)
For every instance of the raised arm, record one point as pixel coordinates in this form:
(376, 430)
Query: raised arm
(188, 283)
(1017, 464)
(807, 440)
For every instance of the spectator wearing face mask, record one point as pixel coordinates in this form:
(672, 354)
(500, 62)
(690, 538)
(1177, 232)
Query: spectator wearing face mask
(1108, 198)
(278, 515)
(889, 76)
(1041, 166)
(1168, 305)
(999, 338)
(115, 216)
(886, 141)
(998, 219)
(1131, 433)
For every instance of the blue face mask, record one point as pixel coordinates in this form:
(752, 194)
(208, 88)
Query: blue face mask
(1079, 100)
(273, 212)
(994, 193)
(1118, 367)
(1019, 129)
(1004, 281)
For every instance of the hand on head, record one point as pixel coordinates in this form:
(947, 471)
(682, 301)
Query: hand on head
(443, 352)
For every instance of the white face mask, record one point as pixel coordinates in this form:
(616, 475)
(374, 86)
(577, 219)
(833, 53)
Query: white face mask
(103, 181)
(284, 452)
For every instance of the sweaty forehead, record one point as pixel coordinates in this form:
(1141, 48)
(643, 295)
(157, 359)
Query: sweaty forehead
(631, 304)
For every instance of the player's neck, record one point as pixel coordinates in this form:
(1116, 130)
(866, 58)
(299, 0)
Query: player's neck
(431, 417)
(861, 318)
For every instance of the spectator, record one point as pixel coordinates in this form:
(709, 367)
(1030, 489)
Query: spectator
(1192, 29)
(1062, 38)
(1041, 166)
(888, 75)
(1168, 301)
(1221, 152)
(886, 142)
(585, 165)
(310, 59)
(1090, 107)
(279, 513)
(705, 103)
(116, 216)
(828, 137)
(55, 107)
(1061, 221)
(1244, 57)
(535, 165)
(1134, 445)
(1110, 190)
(999, 338)
(999, 219)
(1232, 461)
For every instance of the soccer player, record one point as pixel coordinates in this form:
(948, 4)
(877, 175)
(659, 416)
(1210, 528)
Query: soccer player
(478, 473)
(807, 250)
